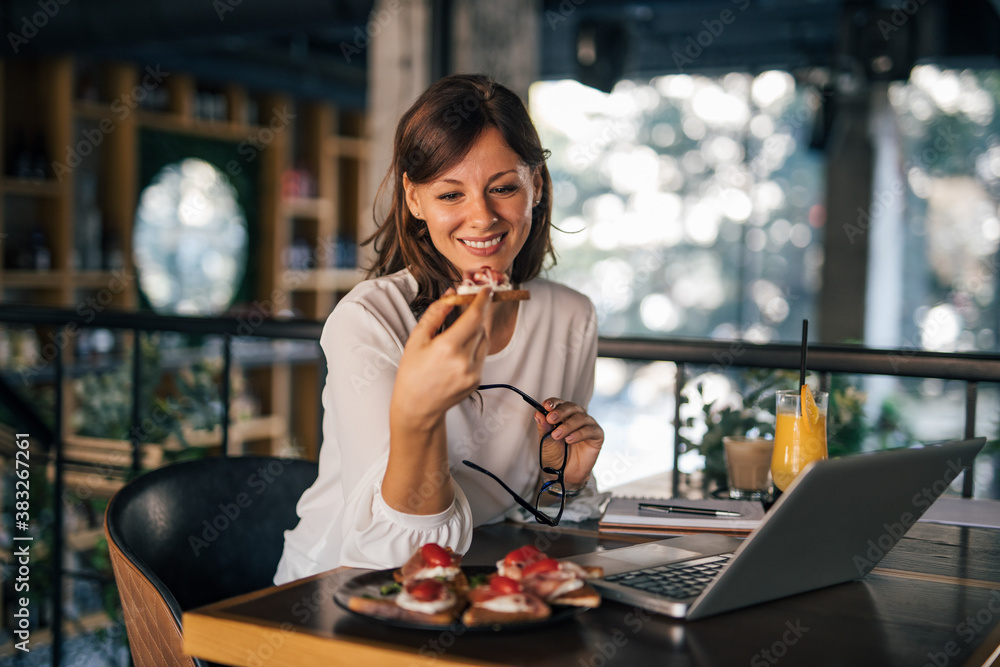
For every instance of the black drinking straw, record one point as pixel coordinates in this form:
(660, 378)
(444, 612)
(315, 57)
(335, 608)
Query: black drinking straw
(802, 359)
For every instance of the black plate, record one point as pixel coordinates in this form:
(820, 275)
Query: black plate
(370, 583)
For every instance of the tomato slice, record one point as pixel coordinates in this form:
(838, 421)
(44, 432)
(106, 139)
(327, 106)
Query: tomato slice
(504, 585)
(435, 555)
(545, 565)
(425, 590)
(526, 554)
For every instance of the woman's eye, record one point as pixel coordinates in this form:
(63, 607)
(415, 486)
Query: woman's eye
(450, 196)
(505, 189)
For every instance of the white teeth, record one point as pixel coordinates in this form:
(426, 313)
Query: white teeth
(483, 244)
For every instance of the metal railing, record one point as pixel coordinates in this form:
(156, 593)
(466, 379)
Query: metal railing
(848, 359)
(67, 323)
(969, 368)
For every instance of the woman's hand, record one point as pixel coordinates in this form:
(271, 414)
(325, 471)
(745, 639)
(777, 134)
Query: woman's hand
(584, 436)
(438, 370)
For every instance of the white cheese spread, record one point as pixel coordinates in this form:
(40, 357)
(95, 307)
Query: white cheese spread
(407, 601)
(513, 571)
(446, 572)
(499, 282)
(572, 568)
(507, 604)
(472, 288)
(565, 587)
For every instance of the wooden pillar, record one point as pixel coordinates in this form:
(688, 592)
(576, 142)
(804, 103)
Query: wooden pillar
(849, 158)
(848, 197)
(276, 236)
(56, 110)
(119, 173)
(398, 71)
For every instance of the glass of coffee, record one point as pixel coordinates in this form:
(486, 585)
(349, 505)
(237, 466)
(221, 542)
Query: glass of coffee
(748, 464)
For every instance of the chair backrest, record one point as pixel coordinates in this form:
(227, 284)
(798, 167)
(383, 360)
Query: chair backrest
(197, 532)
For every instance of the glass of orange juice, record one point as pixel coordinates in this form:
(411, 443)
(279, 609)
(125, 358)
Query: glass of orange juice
(799, 433)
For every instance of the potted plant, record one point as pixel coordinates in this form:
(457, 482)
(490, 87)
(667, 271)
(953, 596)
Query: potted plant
(720, 407)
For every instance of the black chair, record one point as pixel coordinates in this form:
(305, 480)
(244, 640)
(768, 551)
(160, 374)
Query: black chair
(194, 533)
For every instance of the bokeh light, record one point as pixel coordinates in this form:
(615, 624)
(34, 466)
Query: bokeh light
(190, 242)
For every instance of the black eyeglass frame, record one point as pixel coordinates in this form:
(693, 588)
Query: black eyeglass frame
(560, 472)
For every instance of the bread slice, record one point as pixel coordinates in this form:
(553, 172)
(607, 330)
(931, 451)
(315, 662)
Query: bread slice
(500, 295)
(585, 596)
(388, 609)
(477, 615)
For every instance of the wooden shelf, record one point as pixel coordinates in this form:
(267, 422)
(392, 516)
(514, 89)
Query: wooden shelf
(34, 187)
(321, 139)
(93, 110)
(267, 427)
(284, 378)
(97, 485)
(93, 279)
(259, 428)
(30, 279)
(307, 207)
(320, 280)
(354, 147)
(173, 122)
(109, 451)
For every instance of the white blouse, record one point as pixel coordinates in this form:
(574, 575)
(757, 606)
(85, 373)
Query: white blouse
(343, 519)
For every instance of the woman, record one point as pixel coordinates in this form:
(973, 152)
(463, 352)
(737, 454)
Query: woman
(469, 189)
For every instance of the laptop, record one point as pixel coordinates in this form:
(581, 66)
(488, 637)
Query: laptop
(835, 522)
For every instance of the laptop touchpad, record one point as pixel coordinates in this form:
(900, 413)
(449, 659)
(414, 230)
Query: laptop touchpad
(632, 558)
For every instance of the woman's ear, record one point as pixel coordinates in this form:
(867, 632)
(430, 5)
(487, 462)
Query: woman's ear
(411, 196)
(537, 183)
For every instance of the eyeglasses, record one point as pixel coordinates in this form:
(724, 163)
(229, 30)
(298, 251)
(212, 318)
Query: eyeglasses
(556, 487)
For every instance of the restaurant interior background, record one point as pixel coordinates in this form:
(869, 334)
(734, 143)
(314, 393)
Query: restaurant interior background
(722, 170)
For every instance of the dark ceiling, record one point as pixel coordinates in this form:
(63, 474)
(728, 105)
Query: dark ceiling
(316, 48)
(881, 38)
(664, 36)
(307, 47)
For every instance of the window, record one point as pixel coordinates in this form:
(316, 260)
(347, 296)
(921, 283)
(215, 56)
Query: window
(933, 260)
(692, 205)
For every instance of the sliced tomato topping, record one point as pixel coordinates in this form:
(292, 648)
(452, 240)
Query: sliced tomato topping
(425, 590)
(545, 565)
(526, 554)
(436, 555)
(504, 585)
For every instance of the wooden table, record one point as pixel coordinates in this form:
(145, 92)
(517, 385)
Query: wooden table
(934, 600)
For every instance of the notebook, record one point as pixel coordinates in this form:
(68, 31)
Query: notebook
(651, 516)
(835, 522)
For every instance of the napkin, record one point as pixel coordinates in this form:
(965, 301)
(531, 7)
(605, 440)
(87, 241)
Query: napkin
(589, 504)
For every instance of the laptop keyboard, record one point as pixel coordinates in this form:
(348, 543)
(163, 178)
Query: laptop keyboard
(679, 580)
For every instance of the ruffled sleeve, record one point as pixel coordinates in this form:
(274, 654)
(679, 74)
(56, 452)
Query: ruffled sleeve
(378, 536)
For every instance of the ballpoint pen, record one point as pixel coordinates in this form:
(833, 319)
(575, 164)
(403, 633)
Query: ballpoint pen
(676, 509)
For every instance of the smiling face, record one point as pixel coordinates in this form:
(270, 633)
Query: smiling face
(478, 212)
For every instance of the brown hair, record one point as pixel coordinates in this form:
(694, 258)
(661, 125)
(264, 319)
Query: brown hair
(434, 135)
